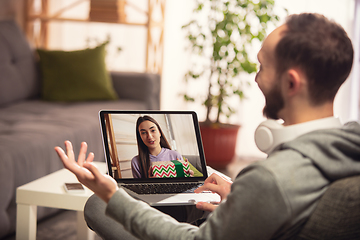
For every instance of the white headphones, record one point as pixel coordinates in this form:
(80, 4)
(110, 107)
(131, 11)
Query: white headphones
(270, 134)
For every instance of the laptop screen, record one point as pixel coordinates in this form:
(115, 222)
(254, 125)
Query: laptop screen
(153, 145)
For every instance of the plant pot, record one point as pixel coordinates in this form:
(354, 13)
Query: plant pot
(219, 144)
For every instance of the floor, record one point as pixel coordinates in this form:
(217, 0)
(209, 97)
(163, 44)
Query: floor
(63, 225)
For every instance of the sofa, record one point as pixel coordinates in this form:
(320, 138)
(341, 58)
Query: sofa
(30, 127)
(337, 215)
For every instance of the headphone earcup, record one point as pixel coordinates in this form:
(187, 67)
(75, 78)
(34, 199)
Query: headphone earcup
(270, 133)
(264, 135)
(263, 138)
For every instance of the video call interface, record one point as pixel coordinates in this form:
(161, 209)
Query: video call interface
(129, 134)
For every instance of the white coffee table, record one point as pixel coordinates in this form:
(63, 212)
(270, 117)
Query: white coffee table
(48, 191)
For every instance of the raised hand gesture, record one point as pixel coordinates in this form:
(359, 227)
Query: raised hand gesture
(86, 172)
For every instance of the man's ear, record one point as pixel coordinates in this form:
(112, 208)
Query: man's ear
(293, 82)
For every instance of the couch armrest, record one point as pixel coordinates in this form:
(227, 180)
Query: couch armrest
(138, 86)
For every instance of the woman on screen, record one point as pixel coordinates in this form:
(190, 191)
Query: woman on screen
(152, 146)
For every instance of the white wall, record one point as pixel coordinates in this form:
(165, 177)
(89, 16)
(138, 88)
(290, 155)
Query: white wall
(176, 58)
(75, 35)
(177, 14)
(250, 110)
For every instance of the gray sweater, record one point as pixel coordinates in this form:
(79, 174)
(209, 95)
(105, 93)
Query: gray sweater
(268, 199)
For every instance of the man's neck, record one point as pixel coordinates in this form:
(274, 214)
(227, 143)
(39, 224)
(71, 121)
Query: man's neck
(305, 114)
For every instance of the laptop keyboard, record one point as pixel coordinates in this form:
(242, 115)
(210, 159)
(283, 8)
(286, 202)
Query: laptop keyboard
(162, 188)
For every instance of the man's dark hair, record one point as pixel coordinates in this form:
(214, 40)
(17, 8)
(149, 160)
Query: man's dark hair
(321, 48)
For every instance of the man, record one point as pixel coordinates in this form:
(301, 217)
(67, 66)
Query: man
(302, 65)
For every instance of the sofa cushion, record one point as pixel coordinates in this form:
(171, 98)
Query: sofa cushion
(19, 76)
(76, 75)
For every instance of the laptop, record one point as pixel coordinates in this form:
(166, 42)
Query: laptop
(159, 180)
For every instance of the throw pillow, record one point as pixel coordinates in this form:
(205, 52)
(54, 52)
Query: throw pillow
(75, 75)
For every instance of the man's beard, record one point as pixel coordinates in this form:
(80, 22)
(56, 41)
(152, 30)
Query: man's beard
(274, 102)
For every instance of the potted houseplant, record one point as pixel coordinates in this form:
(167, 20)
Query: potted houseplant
(221, 47)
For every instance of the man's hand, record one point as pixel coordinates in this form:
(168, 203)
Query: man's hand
(215, 184)
(86, 172)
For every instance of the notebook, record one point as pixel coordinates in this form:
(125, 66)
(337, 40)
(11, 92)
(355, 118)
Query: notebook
(179, 164)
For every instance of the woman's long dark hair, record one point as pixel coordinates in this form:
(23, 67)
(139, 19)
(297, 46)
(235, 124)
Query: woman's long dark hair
(144, 154)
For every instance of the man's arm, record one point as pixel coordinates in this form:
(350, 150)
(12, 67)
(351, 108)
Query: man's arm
(255, 209)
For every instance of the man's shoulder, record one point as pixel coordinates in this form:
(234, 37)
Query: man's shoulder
(293, 173)
(289, 168)
(283, 160)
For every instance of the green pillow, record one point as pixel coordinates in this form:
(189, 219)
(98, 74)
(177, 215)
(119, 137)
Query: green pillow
(75, 75)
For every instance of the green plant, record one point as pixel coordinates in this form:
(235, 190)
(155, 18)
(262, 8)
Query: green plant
(223, 44)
